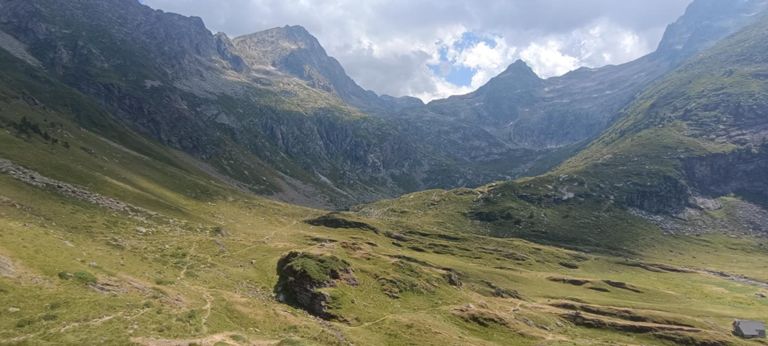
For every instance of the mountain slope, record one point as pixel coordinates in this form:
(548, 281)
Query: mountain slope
(276, 115)
(711, 109)
(256, 118)
(166, 76)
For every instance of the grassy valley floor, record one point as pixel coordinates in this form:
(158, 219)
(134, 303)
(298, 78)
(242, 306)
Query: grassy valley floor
(203, 271)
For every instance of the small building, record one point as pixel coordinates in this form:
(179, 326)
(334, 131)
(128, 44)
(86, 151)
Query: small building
(749, 329)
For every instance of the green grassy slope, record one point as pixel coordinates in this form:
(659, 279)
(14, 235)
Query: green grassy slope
(712, 105)
(82, 274)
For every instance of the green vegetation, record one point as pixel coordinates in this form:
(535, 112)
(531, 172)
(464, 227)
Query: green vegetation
(83, 277)
(319, 269)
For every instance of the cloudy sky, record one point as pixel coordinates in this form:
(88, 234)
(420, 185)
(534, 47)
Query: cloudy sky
(436, 48)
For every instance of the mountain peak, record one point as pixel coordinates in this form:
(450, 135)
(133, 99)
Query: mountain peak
(705, 22)
(281, 40)
(519, 68)
(294, 51)
(295, 30)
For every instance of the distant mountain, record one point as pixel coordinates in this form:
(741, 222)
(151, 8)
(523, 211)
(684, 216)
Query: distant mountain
(525, 112)
(294, 51)
(704, 23)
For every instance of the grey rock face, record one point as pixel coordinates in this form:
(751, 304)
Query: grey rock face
(742, 172)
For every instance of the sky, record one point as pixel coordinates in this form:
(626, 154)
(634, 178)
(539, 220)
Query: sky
(436, 48)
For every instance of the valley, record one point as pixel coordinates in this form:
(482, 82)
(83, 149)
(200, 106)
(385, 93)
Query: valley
(162, 185)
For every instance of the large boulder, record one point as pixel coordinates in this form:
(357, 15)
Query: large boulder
(302, 276)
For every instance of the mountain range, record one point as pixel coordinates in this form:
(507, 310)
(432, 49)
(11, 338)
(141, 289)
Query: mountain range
(161, 184)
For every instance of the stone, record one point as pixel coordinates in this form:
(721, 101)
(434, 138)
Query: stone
(453, 278)
(302, 275)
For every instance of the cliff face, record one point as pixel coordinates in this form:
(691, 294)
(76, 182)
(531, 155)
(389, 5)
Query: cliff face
(740, 173)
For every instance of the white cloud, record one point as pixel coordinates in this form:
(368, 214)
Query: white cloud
(387, 45)
(597, 44)
(548, 60)
(442, 89)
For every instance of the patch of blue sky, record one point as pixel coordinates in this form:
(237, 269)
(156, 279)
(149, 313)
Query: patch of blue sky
(470, 39)
(449, 68)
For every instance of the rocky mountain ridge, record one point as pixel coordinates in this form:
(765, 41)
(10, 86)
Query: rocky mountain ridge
(273, 112)
(294, 51)
(526, 112)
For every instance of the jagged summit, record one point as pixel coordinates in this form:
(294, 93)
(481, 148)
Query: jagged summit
(518, 76)
(520, 69)
(705, 22)
(294, 51)
(270, 47)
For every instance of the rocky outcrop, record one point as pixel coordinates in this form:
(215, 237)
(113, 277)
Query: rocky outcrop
(741, 172)
(480, 315)
(622, 285)
(620, 313)
(69, 190)
(7, 269)
(452, 277)
(598, 322)
(302, 276)
(667, 196)
(335, 220)
(569, 281)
